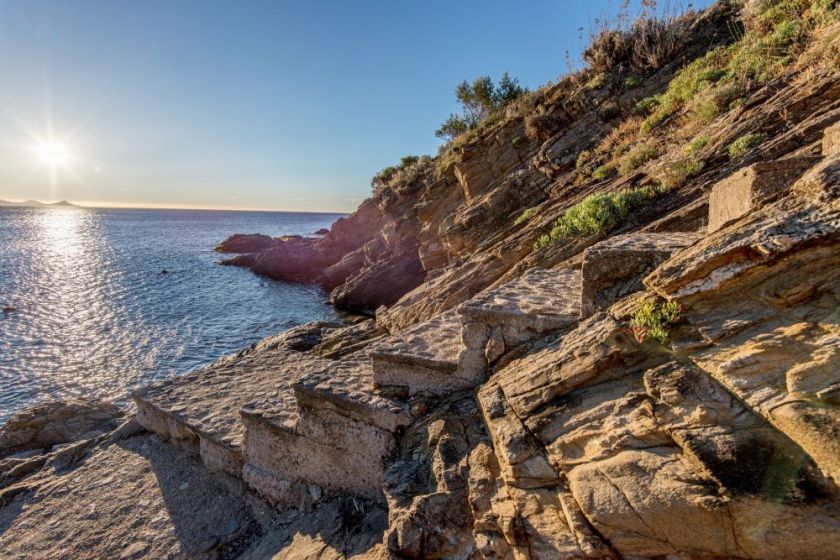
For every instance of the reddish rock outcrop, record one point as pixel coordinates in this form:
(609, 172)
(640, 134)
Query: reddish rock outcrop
(366, 260)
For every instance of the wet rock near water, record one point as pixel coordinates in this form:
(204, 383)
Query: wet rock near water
(45, 425)
(245, 243)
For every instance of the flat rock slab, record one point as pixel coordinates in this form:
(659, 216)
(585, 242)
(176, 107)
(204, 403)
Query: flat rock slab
(141, 498)
(754, 186)
(207, 402)
(616, 266)
(347, 384)
(434, 344)
(540, 299)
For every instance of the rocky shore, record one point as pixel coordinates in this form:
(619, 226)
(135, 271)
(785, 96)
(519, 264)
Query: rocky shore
(664, 383)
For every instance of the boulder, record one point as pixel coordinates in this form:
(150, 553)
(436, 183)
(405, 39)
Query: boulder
(752, 187)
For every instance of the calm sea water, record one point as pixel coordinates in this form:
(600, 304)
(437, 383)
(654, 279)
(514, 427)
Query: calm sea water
(95, 316)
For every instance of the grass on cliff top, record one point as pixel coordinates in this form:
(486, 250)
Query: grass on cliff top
(775, 32)
(406, 171)
(598, 213)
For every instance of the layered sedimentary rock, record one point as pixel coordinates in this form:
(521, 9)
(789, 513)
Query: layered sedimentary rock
(366, 260)
(513, 401)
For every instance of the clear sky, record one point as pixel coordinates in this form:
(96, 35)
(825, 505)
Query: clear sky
(289, 105)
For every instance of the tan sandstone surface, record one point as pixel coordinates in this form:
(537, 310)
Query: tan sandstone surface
(505, 400)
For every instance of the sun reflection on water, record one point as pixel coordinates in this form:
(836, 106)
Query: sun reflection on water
(83, 332)
(61, 230)
(93, 314)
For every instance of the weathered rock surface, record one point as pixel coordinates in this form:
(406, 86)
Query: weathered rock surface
(45, 425)
(717, 438)
(201, 410)
(423, 358)
(754, 186)
(614, 267)
(427, 484)
(498, 320)
(831, 140)
(143, 498)
(367, 260)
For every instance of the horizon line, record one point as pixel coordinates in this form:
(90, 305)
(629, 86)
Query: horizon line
(153, 206)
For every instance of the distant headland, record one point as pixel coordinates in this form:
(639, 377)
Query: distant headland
(36, 204)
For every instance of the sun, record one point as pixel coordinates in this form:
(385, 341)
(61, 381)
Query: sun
(54, 154)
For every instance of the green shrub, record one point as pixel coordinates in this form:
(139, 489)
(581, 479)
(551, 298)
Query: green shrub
(697, 143)
(384, 177)
(632, 82)
(652, 320)
(716, 101)
(776, 31)
(600, 212)
(746, 143)
(544, 240)
(695, 77)
(604, 172)
(636, 157)
(653, 121)
(646, 106)
(518, 141)
(525, 216)
(713, 75)
(675, 174)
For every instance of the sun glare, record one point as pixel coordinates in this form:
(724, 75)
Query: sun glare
(53, 154)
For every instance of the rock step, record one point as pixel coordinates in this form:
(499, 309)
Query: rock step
(347, 386)
(423, 358)
(497, 320)
(339, 441)
(751, 187)
(616, 266)
(201, 409)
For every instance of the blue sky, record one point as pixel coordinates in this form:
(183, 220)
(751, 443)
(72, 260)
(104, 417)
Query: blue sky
(261, 105)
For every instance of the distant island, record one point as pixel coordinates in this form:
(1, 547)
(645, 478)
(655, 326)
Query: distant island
(35, 204)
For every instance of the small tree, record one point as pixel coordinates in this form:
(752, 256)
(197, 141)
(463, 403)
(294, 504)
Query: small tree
(452, 127)
(479, 100)
(507, 91)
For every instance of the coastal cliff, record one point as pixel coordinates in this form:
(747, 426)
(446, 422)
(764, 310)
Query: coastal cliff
(602, 324)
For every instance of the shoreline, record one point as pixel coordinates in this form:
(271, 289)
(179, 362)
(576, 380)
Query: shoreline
(597, 318)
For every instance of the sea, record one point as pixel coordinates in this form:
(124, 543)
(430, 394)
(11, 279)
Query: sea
(96, 302)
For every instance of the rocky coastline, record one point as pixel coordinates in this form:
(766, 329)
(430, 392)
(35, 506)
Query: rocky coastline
(664, 384)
